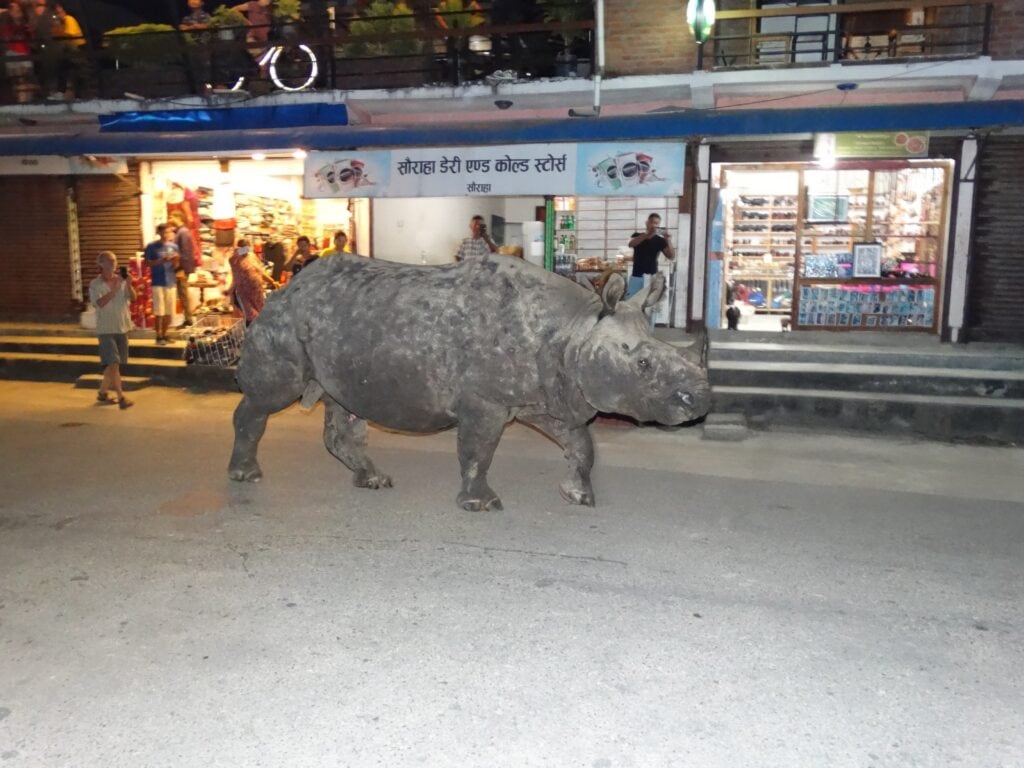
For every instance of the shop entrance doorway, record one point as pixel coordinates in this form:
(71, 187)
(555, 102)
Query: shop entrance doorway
(759, 216)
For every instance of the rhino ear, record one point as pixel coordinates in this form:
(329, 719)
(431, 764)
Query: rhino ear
(652, 294)
(612, 293)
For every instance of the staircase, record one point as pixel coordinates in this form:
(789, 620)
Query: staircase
(58, 352)
(875, 382)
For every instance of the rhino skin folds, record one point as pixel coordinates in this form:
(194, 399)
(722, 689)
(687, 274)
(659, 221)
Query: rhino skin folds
(472, 345)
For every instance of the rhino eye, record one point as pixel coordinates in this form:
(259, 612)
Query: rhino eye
(625, 347)
(644, 363)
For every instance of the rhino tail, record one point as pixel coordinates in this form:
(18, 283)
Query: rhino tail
(311, 395)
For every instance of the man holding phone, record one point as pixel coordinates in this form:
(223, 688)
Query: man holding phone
(162, 259)
(480, 245)
(111, 294)
(646, 246)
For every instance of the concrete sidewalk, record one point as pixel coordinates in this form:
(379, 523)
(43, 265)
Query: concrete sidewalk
(792, 600)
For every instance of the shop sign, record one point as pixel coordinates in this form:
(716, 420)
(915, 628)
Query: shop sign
(629, 169)
(872, 145)
(55, 165)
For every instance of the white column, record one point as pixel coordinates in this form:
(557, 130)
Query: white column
(699, 227)
(966, 174)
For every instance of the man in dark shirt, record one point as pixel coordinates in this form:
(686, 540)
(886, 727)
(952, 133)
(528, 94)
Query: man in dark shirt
(186, 264)
(646, 246)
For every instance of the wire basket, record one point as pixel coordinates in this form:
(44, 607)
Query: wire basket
(216, 341)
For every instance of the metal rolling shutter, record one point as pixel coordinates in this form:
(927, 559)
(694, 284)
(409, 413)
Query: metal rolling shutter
(37, 281)
(108, 217)
(996, 281)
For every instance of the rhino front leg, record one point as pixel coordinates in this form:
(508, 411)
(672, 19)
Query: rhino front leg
(480, 428)
(250, 422)
(579, 452)
(345, 438)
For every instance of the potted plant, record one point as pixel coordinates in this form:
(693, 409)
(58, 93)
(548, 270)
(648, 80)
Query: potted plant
(143, 45)
(561, 11)
(458, 14)
(286, 13)
(380, 20)
(150, 61)
(227, 21)
(380, 52)
(287, 10)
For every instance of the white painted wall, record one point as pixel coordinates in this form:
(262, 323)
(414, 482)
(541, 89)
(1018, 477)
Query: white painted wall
(429, 229)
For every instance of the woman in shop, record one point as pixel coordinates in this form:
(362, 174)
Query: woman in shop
(248, 281)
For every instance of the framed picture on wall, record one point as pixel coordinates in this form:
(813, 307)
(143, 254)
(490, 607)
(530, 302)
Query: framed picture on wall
(867, 260)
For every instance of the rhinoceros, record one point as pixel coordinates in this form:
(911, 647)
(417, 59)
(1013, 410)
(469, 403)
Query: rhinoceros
(472, 345)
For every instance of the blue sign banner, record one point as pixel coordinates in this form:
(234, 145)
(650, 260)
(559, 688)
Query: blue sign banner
(638, 169)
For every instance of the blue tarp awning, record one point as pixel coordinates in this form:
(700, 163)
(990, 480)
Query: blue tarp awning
(685, 124)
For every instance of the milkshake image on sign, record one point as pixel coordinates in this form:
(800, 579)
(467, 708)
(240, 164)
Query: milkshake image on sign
(629, 169)
(607, 173)
(327, 177)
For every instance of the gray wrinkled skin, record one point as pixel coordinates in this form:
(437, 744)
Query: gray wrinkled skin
(472, 345)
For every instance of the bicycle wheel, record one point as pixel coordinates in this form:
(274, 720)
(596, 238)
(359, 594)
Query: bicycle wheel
(293, 67)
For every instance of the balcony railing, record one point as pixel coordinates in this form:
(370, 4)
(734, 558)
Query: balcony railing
(166, 64)
(776, 36)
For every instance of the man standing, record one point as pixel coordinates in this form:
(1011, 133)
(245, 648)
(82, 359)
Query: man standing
(186, 265)
(302, 257)
(162, 259)
(340, 241)
(111, 293)
(646, 246)
(480, 245)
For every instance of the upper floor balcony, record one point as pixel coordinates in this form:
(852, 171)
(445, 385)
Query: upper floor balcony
(758, 47)
(787, 34)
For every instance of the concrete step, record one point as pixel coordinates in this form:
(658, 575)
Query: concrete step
(994, 357)
(55, 367)
(726, 427)
(966, 382)
(932, 416)
(86, 345)
(128, 383)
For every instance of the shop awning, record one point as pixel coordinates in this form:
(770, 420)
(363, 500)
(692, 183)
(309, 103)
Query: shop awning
(686, 124)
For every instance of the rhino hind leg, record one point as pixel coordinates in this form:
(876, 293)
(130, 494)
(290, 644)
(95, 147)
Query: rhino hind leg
(250, 421)
(579, 452)
(345, 438)
(479, 432)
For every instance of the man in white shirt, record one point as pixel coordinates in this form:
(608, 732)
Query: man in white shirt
(111, 294)
(480, 245)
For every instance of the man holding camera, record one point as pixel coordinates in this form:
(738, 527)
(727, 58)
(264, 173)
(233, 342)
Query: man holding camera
(646, 246)
(111, 293)
(480, 245)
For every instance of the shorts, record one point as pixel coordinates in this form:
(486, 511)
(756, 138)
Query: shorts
(164, 299)
(113, 348)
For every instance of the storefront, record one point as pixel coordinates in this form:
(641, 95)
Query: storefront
(569, 207)
(259, 199)
(841, 244)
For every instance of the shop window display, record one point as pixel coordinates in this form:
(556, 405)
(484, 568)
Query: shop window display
(846, 249)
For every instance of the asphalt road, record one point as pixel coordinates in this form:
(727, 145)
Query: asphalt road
(792, 600)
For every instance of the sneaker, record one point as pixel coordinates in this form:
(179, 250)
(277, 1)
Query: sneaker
(163, 340)
(124, 403)
(103, 398)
